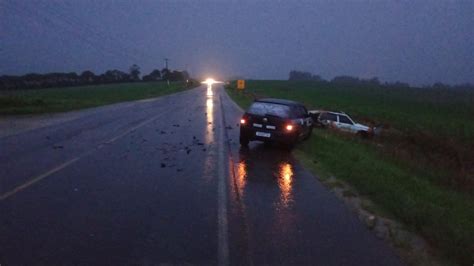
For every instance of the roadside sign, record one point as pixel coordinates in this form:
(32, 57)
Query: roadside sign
(241, 84)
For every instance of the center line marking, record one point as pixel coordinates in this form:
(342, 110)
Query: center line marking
(36, 179)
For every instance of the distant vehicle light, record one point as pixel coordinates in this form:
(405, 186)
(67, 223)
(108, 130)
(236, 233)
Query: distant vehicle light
(242, 121)
(289, 127)
(209, 81)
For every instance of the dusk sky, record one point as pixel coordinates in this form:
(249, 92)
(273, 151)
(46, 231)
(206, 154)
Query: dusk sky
(419, 42)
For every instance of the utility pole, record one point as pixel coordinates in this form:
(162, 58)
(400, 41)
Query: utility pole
(166, 67)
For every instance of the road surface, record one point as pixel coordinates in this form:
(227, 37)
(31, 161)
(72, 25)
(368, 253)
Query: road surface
(163, 181)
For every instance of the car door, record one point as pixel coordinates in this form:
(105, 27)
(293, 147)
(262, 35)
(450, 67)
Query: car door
(344, 123)
(328, 119)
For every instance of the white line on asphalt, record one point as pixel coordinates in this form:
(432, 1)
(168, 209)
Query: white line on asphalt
(36, 179)
(222, 225)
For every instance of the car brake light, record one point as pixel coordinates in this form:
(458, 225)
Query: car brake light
(242, 121)
(289, 127)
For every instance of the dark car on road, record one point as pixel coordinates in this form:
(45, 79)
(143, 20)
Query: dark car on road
(275, 120)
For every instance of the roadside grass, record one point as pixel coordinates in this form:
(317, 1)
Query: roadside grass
(72, 98)
(442, 216)
(399, 185)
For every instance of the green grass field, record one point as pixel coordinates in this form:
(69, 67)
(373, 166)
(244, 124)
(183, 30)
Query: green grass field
(72, 98)
(398, 175)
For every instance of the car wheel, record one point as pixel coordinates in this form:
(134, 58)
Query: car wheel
(244, 141)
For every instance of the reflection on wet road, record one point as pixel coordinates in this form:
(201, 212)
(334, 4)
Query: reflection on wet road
(209, 115)
(285, 176)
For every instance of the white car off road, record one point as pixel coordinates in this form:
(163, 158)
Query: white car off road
(340, 121)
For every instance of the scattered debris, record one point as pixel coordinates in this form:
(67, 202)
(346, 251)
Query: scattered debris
(228, 127)
(204, 149)
(162, 132)
(58, 147)
(176, 125)
(179, 170)
(163, 165)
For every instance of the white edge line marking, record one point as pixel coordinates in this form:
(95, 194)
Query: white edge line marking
(36, 179)
(222, 223)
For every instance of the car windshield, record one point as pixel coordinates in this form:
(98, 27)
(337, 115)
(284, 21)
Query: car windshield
(261, 108)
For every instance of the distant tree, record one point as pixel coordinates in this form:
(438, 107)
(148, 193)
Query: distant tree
(304, 75)
(115, 76)
(374, 81)
(345, 80)
(134, 72)
(156, 74)
(88, 76)
(396, 84)
(300, 75)
(317, 78)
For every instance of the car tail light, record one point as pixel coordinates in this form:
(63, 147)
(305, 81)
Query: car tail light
(242, 121)
(289, 127)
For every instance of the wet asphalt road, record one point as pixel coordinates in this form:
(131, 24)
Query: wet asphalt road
(164, 181)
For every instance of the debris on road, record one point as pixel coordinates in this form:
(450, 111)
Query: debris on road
(58, 147)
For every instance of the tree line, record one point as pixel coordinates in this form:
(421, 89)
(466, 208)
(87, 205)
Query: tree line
(87, 77)
(372, 82)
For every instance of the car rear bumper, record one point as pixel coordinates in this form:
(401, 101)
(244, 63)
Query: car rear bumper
(275, 135)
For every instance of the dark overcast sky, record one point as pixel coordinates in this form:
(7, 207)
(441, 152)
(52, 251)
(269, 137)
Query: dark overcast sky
(419, 42)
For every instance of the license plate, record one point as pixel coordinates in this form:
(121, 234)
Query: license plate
(262, 134)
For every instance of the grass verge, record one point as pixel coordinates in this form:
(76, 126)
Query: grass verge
(444, 216)
(72, 98)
